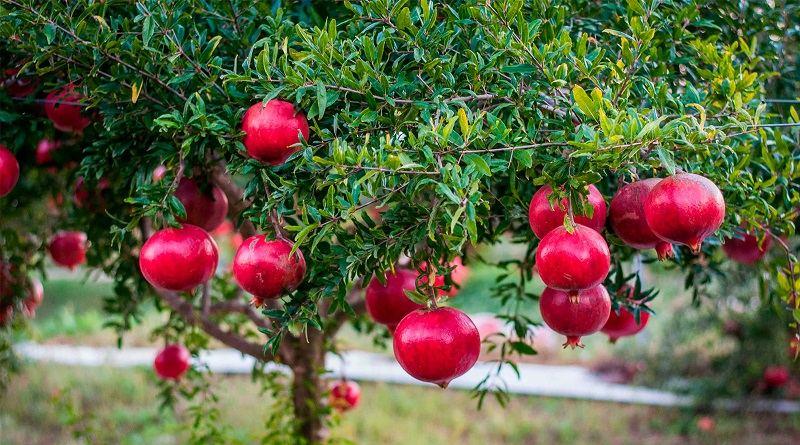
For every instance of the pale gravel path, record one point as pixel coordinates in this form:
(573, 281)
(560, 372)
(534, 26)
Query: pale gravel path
(542, 380)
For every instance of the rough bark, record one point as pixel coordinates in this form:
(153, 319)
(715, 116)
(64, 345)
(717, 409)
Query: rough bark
(307, 386)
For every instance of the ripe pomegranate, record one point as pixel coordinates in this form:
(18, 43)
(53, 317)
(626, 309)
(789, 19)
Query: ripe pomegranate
(45, 149)
(623, 324)
(179, 259)
(68, 249)
(273, 130)
(388, 304)
(776, 376)
(204, 208)
(172, 362)
(34, 298)
(265, 269)
(684, 209)
(573, 317)
(706, 424)
(436, 345)
(18, 86)
(628, 221)
(573, 261)
(345, 395)
(543, 218)
(63, 108)
(90, 198)
(9, 171)
(746, 250)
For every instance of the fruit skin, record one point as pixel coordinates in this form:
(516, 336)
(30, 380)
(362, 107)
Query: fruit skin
(746, 250)
(34, 298)
(542, 218)
(626, 214)
(45, 149)
(388, 304)
(172, 362)
(60, 107)
(685, 209)
(68, 249)
(623, 324)
(265, 269)
(272, 130)
(573, 261)
(436, 345)
(179, 259)
(345, 395)
(9, 171)
(18, 86)
(203, 209)
(776, 376)
(572, 317)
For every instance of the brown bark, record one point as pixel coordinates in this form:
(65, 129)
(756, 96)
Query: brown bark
(308, 354)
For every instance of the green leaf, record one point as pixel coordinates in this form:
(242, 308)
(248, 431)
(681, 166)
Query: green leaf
(479, 163)
(148, 28)
(50, 32)
(667, 160)
(322, 98)
(584, 102)
(445, 190)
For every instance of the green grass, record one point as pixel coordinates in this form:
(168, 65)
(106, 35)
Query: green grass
(64, 405)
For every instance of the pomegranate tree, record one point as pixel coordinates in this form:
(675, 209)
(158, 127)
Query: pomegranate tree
(436, 345)
(575, 317)
(172, 362)
(179, 258)
(684, 209)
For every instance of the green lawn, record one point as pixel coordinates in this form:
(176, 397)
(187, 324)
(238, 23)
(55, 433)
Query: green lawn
(63, 405)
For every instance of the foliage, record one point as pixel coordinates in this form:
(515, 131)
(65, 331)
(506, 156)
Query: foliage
(447, 115)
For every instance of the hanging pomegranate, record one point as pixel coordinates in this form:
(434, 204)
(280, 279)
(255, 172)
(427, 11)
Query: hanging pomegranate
(573, 261)
(628, 220)
(543, 217)
(575, 317)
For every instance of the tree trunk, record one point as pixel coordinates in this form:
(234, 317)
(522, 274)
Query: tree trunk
(307, 364)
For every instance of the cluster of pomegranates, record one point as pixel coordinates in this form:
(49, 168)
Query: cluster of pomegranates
(573, 262)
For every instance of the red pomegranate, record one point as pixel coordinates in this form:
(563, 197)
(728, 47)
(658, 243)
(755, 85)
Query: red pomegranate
(63, 107)
(573, 317)
(266, 269)
(9, 171)
(273, 130)
(204, 208)
(543, 218)
(388, 304)
(345, 395)
(573, 261)
(623, 324)
(6, 313)
(776, 376)
(172, 362)
(68, 249)
(34, 298)
(684, 209)
(18, 86)
(706, 424)
(45, 149)
(436, 345)
(179, 259)
(747, 249)
(628, 221)
(90, 198)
